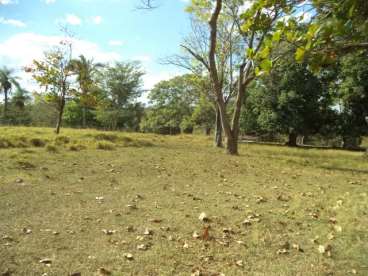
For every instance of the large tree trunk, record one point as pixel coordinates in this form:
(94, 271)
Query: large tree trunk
(232, 145)
(292, 142)
(218, 130)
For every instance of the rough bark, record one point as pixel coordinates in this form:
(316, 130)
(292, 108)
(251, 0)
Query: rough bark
(232, 145)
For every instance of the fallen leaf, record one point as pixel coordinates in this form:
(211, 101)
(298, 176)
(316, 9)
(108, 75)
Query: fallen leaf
(338, 228)
(325, 249)
(282, 252)
(142, 247)
(247, 222)
(330, 236)
(103, 271)
(46, 261)
(155, 220)
(203, 217)
(196, 235)
(148, 232)
(128, 256)
(108, 232)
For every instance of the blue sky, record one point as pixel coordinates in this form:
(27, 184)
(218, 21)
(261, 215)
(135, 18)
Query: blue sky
(106, 30)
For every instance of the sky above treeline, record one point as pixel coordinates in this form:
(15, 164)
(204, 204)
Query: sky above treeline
(105, 30)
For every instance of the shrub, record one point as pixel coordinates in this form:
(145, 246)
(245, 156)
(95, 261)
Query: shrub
(37, 142)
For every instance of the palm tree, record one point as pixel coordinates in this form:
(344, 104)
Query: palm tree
(7, 81)
(85, 70)
(20, 98)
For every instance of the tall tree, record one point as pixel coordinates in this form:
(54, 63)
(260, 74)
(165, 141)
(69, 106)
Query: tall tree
(53, 73)
(289, 101)
(7, 81)
(353, 96)
(260, 27)
(85, 70)
(121, 85)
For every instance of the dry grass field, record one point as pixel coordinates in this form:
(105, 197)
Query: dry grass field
(111, 203)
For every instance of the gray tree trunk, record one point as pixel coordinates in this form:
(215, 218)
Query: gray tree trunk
(218, 130)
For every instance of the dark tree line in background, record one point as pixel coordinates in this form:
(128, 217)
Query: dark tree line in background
(262, 72)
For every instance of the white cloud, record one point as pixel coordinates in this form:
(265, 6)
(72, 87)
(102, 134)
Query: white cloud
(97, 20)
(21, 49)
(8, 2)
(116, 43)
(49, 1)
(12, 22)
(73, 19)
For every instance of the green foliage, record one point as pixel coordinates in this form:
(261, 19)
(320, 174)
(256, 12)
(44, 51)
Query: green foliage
(43, 112)
(172, 103)
(289, 100)
(121, 85)
(353, 95)
(204, 114)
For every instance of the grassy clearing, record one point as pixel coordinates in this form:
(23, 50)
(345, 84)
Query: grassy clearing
(270, 209)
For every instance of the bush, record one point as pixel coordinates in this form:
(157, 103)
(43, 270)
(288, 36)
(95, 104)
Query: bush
(105, 145)
(37, 142)
(52, 149)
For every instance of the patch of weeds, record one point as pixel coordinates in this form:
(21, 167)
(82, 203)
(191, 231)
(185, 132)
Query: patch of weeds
(62, 140)
(77, 147)
(106, 137)
(5, 143)
(126, 140)
(105, 145)
(27, 151)
(37, 142)
(25, 165)
(129, 142)
(52, 149)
